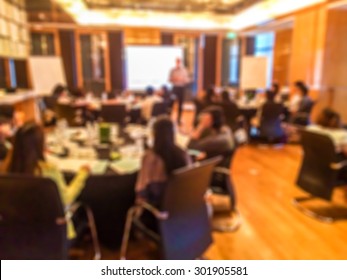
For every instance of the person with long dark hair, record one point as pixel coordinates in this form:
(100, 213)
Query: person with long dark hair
(148, 103)
(269, 118)
(160, 161)
(210, 97)
(27, 157)
(211, 135)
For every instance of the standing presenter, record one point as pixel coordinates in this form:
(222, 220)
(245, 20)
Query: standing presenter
(179, 78)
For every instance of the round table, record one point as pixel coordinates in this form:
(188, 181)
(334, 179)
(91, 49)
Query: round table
(109, 194)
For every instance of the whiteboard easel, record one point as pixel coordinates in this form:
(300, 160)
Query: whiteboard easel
(254, 72)
(46, 72)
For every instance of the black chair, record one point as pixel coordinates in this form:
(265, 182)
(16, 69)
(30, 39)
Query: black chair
(135, 115)
(270, 129)
(115, 113)
(75, 116)
(199, 107)
(222, 185)
(33, 220)
(232, 115)
(50, 102)
(159, 109)
(109, 197)
(6, 113)
(318, 172)
(184, 226)
(302, 117)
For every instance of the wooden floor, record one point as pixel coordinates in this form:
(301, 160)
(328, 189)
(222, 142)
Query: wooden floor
(272, 228)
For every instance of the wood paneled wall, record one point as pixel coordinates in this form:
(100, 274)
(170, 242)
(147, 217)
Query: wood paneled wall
(142, 36)
(319, 56)
(308, 46)
(116, 49)
(335, 62)
(308, 43)
(209, 66)
(167, 39)
(68, 54)
(282, 55)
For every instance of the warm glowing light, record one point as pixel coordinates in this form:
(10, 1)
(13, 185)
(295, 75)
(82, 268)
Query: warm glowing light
(268, 10)
(257, 14)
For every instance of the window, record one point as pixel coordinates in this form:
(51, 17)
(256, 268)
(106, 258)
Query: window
(13, 73)
(42, 44)
(93, 66)
(234, 63)
(230, 62)
(263, 46)
(2, 73)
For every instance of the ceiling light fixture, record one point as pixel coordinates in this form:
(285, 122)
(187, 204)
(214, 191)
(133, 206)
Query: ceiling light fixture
(257, 14)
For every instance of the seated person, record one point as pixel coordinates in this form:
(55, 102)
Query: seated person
(5, 134)
(48, 106)
(301, 104)
(329, 123)
(6, 117)
(168, 98)
(147, 104)
(231, 111)
(275, 88)
(269, 120)
(211, 135)
(27, 157)
(208, 99)
(78, 93)
(159, 162)
(10, 121)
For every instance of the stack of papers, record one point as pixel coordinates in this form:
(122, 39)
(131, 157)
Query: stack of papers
(126, 165)
(98, 167)
(182, 140)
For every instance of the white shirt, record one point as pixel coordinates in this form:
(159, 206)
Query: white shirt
(179, 76)
(147, 105)
(295, 103)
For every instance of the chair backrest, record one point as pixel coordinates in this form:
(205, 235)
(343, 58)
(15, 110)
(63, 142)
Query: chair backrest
(270, 123)
(109, 197)
(115, 113)
(199, 106)
(159, 109)
(73, 115)
(186, 234)
(316, 176)
(50, 102)
(306, 105)
(29, 210)
(222, 182)
(231, 112)
(6, 111)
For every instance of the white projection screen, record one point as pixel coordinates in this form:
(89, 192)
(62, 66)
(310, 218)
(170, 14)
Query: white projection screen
(150, 65)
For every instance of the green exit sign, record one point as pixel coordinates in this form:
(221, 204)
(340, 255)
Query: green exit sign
(231, 35)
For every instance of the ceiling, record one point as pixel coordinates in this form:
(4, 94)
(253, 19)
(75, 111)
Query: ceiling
(169, 14)
(214, 6)
(46, 10)
(46, 7)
